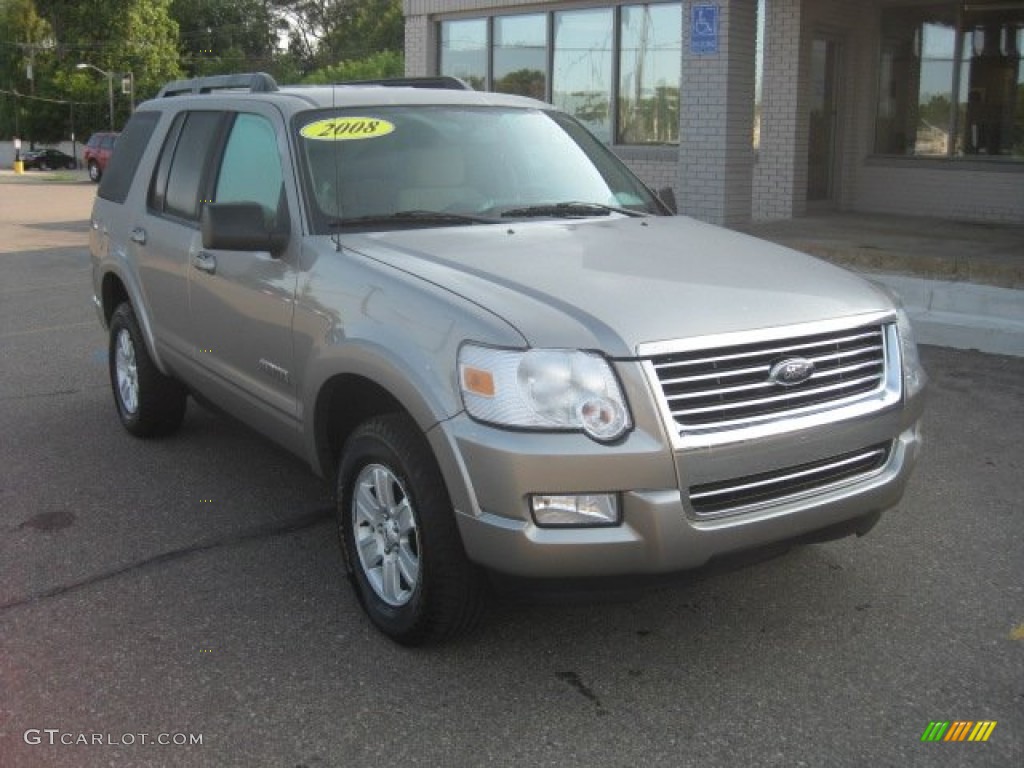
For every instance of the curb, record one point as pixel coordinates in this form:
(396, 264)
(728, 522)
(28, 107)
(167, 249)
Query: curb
(961, 315)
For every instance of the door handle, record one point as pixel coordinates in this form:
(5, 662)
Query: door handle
(138, 236)
(204, 261)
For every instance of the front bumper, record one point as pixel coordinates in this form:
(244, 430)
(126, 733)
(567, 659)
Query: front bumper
(492, 473)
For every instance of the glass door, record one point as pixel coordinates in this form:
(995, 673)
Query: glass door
(821, 138)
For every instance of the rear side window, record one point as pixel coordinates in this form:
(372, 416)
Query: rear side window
(117, 179)
(184, 163)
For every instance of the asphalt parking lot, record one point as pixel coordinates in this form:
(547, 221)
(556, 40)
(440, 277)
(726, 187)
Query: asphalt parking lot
(189, 591)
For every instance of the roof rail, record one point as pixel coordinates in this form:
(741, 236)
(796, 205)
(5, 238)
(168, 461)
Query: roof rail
(254, 82)
(445, 82)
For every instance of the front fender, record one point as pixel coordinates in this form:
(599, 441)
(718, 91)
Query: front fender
(358, 317)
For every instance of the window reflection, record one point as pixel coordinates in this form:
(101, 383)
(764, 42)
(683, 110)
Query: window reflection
(582, 76)
(464, 51)
(617, 69)
(520, 55)
(926, 56)
(991, 98)
(649, 72)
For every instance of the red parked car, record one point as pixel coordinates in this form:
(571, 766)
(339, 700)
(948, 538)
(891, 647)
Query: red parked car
(97, 153)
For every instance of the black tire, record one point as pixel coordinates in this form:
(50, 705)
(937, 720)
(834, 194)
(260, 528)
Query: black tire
(448, 596)
(95, 174)
(148, 403)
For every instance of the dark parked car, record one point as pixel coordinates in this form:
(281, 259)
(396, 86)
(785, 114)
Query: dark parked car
(47, 159)
(97, 153)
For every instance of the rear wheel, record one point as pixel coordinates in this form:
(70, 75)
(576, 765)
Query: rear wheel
(148, 402)
(398, 533)
(94, 171)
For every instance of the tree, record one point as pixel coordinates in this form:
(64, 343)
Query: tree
(324, 32)
(26, 54)
(222, 36)
(116, 36)
(374, 66)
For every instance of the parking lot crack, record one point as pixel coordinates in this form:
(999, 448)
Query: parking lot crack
(294, 525)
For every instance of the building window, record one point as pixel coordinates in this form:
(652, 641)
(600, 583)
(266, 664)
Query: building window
(464, 51)
(616, 68)
(581, 80)
(650, 66)
(521, 55)
(951, 81)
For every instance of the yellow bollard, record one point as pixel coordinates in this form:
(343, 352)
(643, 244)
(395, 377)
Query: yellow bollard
(19, 167)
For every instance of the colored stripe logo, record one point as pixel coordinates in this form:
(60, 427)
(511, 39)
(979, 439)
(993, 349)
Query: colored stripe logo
(958, 730)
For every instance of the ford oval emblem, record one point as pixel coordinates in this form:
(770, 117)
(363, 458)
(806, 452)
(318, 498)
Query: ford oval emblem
(791, 371)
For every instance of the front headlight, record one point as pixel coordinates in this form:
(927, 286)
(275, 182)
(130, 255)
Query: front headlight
(913, 373)
(561, 389)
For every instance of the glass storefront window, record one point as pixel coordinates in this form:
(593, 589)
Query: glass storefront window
(521, 55)
(650, 64)
(615, 68)
(931, 52)
(464, 51)
(991, 93)
(581, 79)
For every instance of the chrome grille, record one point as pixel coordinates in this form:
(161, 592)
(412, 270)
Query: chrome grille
(737, 494)
(733, 386)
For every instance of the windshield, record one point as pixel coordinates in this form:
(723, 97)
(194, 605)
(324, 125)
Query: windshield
(391, 167)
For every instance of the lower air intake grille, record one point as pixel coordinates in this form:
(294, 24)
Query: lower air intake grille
(731, 496)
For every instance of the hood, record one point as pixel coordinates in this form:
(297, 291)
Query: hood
(614, 283)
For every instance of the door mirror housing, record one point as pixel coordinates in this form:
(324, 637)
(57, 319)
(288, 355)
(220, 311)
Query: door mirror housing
(668, 198)
(240, 227)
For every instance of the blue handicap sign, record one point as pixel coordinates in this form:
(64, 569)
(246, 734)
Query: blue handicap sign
(704, 29)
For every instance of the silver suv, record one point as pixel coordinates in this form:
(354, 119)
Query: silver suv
(507, 351)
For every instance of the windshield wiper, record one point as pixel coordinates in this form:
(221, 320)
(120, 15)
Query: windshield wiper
(411, 217)
(568, 210)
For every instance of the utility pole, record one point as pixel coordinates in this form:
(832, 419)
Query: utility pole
(110, 87)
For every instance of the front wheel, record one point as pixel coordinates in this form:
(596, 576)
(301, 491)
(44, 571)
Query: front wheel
(148, 402)
(94, 171)
(399, 537)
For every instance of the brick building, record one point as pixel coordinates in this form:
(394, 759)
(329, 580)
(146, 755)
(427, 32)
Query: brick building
(766, 109)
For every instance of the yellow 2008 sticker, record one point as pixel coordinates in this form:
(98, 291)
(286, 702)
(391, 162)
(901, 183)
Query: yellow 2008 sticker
(347, 128)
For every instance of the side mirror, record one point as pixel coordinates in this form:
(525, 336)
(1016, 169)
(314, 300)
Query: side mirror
(668, 198)
(239, 227)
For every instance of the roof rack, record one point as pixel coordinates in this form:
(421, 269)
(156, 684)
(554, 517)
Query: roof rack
(253, 82)
(445, 82)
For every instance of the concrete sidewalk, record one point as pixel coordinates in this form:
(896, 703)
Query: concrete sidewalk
(962, 282)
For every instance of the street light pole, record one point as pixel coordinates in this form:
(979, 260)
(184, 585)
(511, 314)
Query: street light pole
(110, 87)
